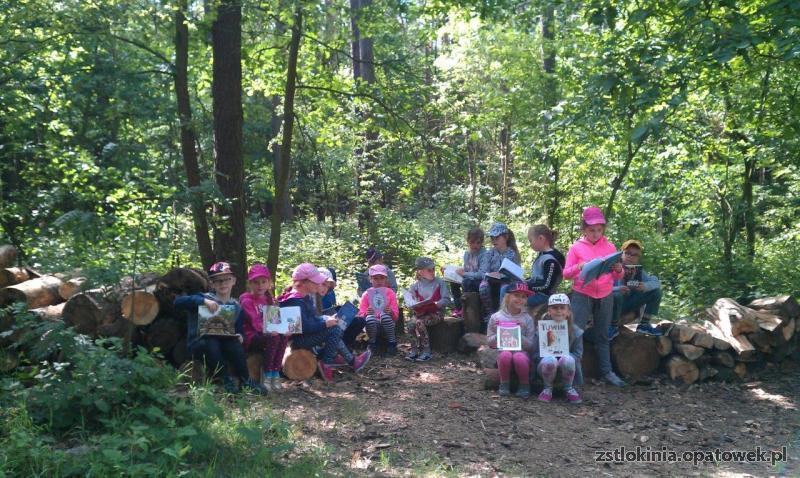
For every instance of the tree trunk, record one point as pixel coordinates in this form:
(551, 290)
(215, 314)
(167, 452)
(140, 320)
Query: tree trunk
(282, 181)
(226, 89)
(550, 94)
(36, 293)
(188, 138)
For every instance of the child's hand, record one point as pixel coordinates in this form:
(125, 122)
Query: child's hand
(460, 271)
(331, 322)
(211, 305)
(580, 265)
(625, 290)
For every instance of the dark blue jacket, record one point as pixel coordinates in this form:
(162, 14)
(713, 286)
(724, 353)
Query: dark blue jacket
(190, 303)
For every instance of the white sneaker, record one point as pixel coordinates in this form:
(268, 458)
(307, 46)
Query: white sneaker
(266, 383)
(276, 383)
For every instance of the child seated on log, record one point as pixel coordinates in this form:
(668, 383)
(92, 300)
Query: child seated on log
(379, 308)
(635, 289)
(218, 351)
(318, 331)
(568, 366)
(547, 269)
(513, 313)
(435, 292)
(504, 246)
(470, 270)
(328, 294)
(273, 345)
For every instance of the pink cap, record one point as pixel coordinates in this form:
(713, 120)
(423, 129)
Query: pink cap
(518, 287)
(378, 270)
(307, 271)
(593, 215)
(258, 270)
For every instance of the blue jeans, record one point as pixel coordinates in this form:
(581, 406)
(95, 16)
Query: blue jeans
(651, 300)
(331, 337)
(601, 310)
(216, 352)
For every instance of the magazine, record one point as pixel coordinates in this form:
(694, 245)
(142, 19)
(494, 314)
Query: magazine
(553, 338)
(449, 274)
(287, 321)
(410, 301)
(222, 322)
(512, 270)
(597, 267)
(347, 312)
(509, 337)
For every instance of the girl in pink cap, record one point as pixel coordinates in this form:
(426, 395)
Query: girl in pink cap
(513, 312)
(379, 308)
(595, 297)
(254, 302)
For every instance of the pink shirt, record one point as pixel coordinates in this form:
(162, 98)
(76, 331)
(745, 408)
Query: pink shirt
(583, 251)
(253, 315)
(391, 298)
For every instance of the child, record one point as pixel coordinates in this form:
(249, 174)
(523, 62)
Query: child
(317, 330)
(504, 246)
(470, 270)
(374, 256)
(512, 312)
(637, 288)
(328, 300)
(218, 350)
(427, 287)
(594, 299)
(273, 345)
(547, 268)
(379, 308)
(568, 366)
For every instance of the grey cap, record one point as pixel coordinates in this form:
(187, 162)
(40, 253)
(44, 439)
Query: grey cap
(423, 263)
(498, 229)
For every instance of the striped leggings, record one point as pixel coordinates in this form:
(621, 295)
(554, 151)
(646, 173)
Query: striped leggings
(386, 325)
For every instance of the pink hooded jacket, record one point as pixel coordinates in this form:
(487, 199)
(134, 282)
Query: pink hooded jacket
(583, 251)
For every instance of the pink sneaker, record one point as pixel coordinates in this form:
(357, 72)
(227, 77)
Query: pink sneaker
(338, 361)
(325, 371)
(546, 395)
(360, 360)
(573, 396)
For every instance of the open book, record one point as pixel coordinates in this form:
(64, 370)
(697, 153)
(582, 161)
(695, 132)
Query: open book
(410, 301)
(553, 338)
(509, 337)
(450, 275)
(222, 322)
(285, 321)
(512, 269)
(597, 267)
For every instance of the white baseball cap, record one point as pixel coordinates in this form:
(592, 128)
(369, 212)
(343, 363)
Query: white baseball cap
(558, 299)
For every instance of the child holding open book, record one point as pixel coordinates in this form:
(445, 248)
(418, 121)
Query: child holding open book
(504, 246)
(429, 296)
(470, 270)
(594, 298)
(272, 345)
(513, 313)
(379, 308)
(566, 365)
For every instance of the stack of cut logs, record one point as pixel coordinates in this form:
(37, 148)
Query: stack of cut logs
(138, 309)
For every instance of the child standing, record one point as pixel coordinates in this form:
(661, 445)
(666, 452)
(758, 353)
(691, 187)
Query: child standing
(471, 268)
(504, 246)
(378, 306)
(512, 312)
(427, 287)
(594, 299)
(568, 366)
(272, 345)
(547, 269)
(318, 330)
(216, 351)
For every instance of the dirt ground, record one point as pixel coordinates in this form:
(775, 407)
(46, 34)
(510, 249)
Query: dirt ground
(399, 418)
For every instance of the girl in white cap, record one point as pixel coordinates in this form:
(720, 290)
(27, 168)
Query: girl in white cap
(566, 366)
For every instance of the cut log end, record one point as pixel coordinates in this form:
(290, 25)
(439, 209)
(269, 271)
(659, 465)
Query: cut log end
(140, 307)
(299, 364)
(678, 368)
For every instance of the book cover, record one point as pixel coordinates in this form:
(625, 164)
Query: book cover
(378, 300)
(553, 338)
(347, 312)
(597, 267)
(410, 301)
(222, 322)
(449, 274)
(509, 337)
(287, 321)
(512, 269)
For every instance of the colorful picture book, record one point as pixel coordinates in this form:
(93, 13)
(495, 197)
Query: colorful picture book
(347, 312)
(597, 267)
(286, 321)
(450, 275)
(221, 322)
(410, 301)
(553, 338)
(512, 269)
(509, 337)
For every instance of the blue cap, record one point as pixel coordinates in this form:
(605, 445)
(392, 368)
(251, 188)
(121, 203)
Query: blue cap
(498, 229)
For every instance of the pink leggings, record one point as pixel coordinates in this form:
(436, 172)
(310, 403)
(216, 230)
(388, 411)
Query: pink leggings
(550, 366)
(520, 362)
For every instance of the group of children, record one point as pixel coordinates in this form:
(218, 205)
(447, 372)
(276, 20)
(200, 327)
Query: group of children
(504, 300)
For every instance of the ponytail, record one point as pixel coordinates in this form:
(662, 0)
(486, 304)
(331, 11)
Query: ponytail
(543, 230)
(512, 243)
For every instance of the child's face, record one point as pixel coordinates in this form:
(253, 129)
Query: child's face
(304, 287)
(538, 243)
(517, 300)
(223, 284)
(322, 289)
(594, 232)
(378, 281)
(500, 242)
(427, 274)
(330, 285)
(558, 312)
(631, 256)
(475, 245)
(259, 286)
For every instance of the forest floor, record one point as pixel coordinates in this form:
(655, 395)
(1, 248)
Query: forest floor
(399, 418)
